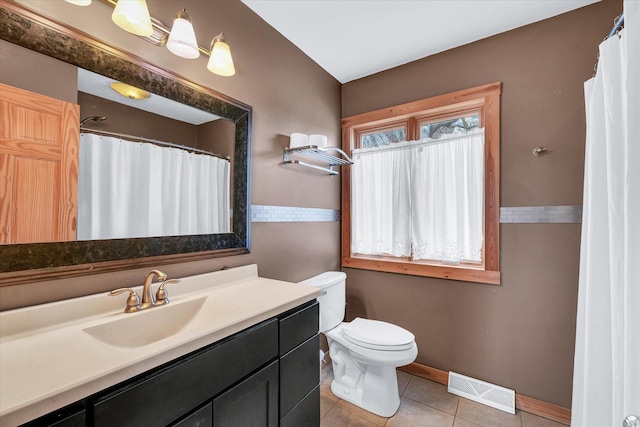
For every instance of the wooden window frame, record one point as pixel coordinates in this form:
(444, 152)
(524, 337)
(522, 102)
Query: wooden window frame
(485, 99)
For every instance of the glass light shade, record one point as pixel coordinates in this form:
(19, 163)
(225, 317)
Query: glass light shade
(79, 2)
(220, 61)
(182, 40)
(129, 91)
(133, 16)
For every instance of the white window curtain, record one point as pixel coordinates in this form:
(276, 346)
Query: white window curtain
(381, 202)
(131, 189)
(606, 379)
(423, 199)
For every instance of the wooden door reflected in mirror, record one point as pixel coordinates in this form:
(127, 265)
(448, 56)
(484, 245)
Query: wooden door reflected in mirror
(39, 167)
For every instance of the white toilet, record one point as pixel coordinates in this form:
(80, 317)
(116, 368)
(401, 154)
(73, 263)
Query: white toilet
(364, 353)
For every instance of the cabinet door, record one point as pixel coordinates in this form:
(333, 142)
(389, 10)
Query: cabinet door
(253, 402)
(306, 413)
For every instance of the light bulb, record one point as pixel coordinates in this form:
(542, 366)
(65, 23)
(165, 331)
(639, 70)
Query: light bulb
(133, 16)
(220, 61)
(182, 39)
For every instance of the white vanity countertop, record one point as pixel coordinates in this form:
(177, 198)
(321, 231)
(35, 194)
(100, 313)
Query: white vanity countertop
(48, 361)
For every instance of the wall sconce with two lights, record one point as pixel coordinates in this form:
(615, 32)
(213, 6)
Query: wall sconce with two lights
(133, 16)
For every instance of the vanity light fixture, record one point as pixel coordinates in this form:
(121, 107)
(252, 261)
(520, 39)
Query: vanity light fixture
(129, 91)
(79, 2)
(220, 61)
(182, 40)
(133, 16)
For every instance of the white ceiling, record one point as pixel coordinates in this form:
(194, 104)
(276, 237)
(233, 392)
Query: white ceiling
(351, 39)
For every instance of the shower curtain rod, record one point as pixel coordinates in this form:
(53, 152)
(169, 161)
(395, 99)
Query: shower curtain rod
(618, 25)
(152, 141)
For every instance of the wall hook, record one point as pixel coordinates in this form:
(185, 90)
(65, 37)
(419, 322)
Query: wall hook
(538, 151)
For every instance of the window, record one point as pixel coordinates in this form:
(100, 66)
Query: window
(456, 125)
(424, 172)
(382, 137)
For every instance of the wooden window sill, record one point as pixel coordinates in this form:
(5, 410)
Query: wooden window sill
(464, 274)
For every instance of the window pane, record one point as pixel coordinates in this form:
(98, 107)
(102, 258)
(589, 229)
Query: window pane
(380, 139)
(458, 125)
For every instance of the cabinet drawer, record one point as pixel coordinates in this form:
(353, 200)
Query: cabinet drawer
(306, 413)
(298, 325)
(166, 395)
(299, 373)
(71, 416)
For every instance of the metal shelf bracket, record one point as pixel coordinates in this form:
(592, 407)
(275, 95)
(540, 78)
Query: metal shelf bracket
(321, 154)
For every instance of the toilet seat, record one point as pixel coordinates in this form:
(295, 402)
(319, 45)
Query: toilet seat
(377, 335)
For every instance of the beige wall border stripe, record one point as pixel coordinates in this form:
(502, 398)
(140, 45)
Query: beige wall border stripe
(265, 213)
(541, 215)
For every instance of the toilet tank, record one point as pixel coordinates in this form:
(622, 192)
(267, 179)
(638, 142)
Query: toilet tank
(332, 299)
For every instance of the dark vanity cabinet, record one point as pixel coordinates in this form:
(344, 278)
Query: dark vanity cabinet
(266, 375)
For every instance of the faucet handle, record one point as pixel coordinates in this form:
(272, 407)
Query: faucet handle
(133, 301)
(162, 297)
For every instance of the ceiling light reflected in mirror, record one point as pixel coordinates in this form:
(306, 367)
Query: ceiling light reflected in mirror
(129, 91)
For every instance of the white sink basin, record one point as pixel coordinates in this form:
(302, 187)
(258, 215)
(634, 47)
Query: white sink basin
(146, 327)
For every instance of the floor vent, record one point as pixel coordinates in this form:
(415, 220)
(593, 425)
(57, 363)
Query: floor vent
(482, 392)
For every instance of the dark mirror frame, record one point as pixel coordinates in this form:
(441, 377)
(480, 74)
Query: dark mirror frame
(23, 263)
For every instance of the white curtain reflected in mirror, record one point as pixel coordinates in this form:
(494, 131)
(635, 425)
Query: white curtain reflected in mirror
(147, 190)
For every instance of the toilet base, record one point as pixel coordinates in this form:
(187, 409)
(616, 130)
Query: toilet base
(384, 401)
(372, 388)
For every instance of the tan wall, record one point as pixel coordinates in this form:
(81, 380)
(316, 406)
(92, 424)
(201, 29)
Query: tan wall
(288, 92)
(38, 77)
(520, 334)
(217, 136)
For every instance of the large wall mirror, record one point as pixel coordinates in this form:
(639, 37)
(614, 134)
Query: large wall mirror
(231, 119)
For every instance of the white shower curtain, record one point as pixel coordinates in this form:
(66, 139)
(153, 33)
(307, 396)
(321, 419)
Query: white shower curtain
(131, 189)
(606, 383)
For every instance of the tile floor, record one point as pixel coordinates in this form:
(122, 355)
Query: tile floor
(422, 403)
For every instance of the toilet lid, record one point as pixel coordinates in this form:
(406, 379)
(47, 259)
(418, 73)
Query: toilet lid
(377, 335)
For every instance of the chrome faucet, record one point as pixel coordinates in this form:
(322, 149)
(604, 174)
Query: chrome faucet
(148, 300)
(134, 303)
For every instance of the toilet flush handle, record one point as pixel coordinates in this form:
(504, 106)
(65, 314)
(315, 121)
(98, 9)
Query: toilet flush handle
(631, 421)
